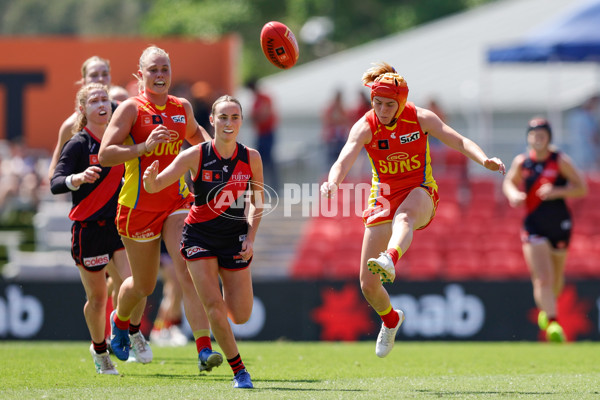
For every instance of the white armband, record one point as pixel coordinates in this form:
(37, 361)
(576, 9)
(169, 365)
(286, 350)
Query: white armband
(69, 183)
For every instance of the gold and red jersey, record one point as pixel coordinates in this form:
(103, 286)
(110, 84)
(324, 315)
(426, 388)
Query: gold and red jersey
(172, 115)
(399, 156)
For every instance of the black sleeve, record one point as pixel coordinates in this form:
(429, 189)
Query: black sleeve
(67, 165)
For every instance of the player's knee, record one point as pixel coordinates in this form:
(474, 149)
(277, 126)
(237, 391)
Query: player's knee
(370, 288)
(97, 301)
(239, 317)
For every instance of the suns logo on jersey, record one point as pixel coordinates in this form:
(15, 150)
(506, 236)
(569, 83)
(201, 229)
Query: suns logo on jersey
(399, 163)
(178, 119)
(399, 156)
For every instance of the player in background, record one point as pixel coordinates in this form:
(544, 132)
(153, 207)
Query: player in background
(94, 69)
(220, 230)
(541, 180)
(404, 193)
(96, 245)
(145, 128)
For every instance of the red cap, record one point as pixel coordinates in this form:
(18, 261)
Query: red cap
(392, 86)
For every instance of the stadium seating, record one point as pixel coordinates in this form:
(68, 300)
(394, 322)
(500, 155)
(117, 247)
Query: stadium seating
(474, 236)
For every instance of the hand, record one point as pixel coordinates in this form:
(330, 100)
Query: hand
(90, 175)
(544, 192)
(149, 177)
(495, 164)
(329, 189)
(247, 250)
(160, 134)
(517, 199)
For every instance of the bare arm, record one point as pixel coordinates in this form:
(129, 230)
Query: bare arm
(512, 181)
(575, 187)
(360, 134)
(433, 125)
(185, 161)
(256, 204)
(112, 150)
(64, 134)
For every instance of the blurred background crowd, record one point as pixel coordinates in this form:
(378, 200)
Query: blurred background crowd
(314, 104)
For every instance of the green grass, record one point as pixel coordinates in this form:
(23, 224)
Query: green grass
(284, 370)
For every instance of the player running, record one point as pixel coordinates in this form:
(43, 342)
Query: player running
(96, 246)
(541, 180)
(219, 233)
(145, 128)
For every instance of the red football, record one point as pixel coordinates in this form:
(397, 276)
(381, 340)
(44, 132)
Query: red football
(279, 45)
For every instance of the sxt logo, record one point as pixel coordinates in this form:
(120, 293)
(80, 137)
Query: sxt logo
(409, 137)
(20, 316)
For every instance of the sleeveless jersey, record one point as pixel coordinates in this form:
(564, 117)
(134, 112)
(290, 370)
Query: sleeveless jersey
(172, 115)
(92, 201)
(537, 173)
(220, 192)
(399, 155)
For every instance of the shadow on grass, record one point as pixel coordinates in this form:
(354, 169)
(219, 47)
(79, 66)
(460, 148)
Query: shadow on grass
(257, 382)
(460, 393)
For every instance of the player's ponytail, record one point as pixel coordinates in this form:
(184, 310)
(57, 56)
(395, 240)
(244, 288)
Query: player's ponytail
(376, 70)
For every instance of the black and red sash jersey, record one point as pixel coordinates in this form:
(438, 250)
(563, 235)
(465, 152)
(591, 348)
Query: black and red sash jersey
(221, 192)
(93, 201)
(536, 173)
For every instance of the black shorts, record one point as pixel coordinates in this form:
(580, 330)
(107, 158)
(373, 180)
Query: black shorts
(556, 229)
(196, 245)
(94, 243)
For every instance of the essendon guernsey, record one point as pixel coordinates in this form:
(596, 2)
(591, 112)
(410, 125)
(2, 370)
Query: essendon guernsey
(221, 192)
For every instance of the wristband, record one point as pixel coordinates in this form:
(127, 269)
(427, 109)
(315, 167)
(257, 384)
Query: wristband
(69, 183)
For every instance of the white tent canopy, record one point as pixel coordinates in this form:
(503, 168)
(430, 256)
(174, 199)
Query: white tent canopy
(446, 59)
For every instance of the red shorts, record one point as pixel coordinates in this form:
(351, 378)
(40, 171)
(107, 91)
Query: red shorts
(385, 208)
(144, 226)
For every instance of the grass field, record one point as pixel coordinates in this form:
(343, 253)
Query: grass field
(284, 370)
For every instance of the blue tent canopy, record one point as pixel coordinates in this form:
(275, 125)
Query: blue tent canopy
(573, 37)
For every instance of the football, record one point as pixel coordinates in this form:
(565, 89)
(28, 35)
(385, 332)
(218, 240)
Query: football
(279, 45)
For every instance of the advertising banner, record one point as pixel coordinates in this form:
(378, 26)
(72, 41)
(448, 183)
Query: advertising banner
(331, 311)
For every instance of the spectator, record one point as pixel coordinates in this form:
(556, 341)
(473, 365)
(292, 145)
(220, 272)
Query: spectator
(264, 119)
(336, 122)
(584, 134)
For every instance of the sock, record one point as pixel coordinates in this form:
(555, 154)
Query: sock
(120, 322)
(101, 347)
(236, 364)
(202, 337)
(176, 321)
(395, 253)
(158, 324)
(133, 329)
(389, 317)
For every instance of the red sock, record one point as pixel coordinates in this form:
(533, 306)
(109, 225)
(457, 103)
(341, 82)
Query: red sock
(390, 320)
(203, 342)
(100, 347)
(236, 364)
(393, 254)
(133, 329)
(121, 324)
